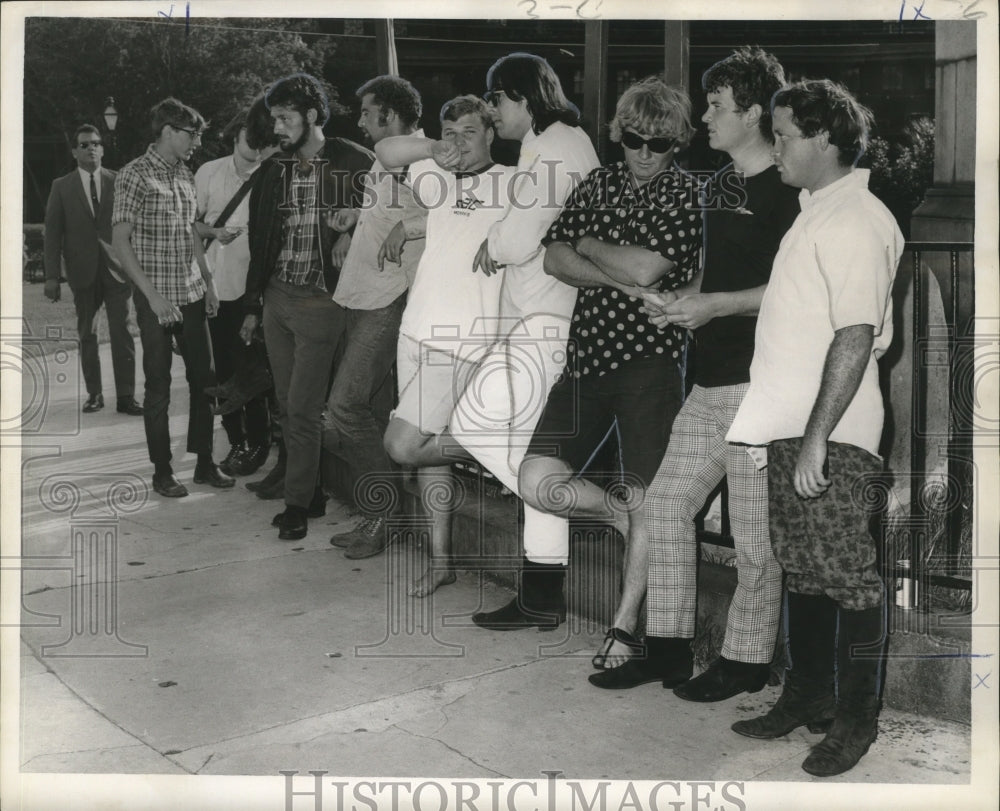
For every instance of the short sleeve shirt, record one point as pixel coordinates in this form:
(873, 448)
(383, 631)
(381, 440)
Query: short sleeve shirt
(834, 269)
(388, 200)
(663, 216)
(744, 221)
(158, 200)
(217, 182)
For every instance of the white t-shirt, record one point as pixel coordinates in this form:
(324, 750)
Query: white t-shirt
(834, 269)
(216, 182)
(549, 167)
(449, 307)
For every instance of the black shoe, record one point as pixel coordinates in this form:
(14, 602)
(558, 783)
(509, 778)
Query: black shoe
(128, 405)
(213, 476)
(251, 459)
(168, 486)
(292, 524)
(724, 679)
(624, 677)
(236, 452)
(95, 402)
(539, 602)
(317, 507)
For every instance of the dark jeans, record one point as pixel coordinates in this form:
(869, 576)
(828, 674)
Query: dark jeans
(636, 404)
(253, 421)
(199, 369)
(355, 421)
(114, 295)
(302, 327)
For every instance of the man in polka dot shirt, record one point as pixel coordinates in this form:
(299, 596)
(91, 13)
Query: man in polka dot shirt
(630, 227)
(747, 211)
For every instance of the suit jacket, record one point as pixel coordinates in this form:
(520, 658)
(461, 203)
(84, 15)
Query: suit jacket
(71, 233)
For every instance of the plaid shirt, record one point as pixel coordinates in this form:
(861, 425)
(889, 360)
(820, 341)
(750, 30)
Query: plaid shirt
(159, 201)
(298, 262)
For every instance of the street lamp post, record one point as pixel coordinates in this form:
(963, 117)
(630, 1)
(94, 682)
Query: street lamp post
(111, 122)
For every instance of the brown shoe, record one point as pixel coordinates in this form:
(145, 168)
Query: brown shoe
(370, 538)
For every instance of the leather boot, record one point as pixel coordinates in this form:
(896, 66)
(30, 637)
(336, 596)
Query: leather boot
(539, 602)
(273, 484)
(668, 660)
(807, 698)
(860, 660)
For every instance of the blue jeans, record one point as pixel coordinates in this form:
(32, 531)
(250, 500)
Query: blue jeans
(302, 327)
(355, 419)
(199, 368)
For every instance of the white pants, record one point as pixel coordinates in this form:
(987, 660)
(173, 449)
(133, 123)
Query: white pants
(496, 417)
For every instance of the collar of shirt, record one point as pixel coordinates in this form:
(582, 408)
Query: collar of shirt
(856, 178)
(160, 162)
(304, 168)
(85, 177)
(243, 176)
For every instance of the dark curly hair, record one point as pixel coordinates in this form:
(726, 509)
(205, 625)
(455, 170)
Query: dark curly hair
(260, 126)
(754, 76)
(821, 105)
(393, 93)
(301, 92)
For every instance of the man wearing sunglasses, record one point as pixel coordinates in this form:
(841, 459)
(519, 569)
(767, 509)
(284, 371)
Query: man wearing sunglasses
(741, 239)
(627, 228)
(77, 218)
(154, 239)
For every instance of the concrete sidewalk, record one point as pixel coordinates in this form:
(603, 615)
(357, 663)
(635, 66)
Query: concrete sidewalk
(191, 641)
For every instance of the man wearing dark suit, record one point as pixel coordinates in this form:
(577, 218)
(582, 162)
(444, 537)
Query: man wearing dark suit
(77, 216)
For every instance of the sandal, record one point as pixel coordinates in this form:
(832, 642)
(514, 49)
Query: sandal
(613, 635)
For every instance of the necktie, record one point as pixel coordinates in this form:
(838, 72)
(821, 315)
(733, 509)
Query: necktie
(93, 196)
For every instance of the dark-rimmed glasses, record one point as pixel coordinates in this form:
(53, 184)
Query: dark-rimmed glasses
(192, 133)
(659, 145)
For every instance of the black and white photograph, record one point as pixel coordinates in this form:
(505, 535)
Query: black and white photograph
(323, 485)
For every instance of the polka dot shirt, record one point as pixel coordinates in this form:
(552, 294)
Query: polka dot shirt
(608, 328)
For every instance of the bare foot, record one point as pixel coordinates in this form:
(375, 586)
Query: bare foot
(618, 654)
(428, 582)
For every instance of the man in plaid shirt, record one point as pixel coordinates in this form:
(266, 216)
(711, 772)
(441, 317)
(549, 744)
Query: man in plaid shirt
(295, 260)
(152, 234)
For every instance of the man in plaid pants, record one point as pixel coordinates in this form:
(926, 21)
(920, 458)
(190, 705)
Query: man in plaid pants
(747, 211)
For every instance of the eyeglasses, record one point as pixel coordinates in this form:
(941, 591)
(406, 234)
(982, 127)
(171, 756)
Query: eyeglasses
(192, 133)
(658, 145)
(89, 144)
(492, 97)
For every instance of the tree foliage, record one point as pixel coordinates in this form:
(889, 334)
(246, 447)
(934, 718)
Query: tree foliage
(903, 170)
(215, 65)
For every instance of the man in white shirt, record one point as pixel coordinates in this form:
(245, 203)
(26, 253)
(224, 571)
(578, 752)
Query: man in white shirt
(814, 402)
(217, 183)
(373, 295)
(452, 315)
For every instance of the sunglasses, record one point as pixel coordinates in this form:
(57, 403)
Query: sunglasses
(658, 145)
(493, 97)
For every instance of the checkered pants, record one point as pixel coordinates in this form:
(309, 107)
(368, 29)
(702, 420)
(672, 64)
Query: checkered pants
(697, 458)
